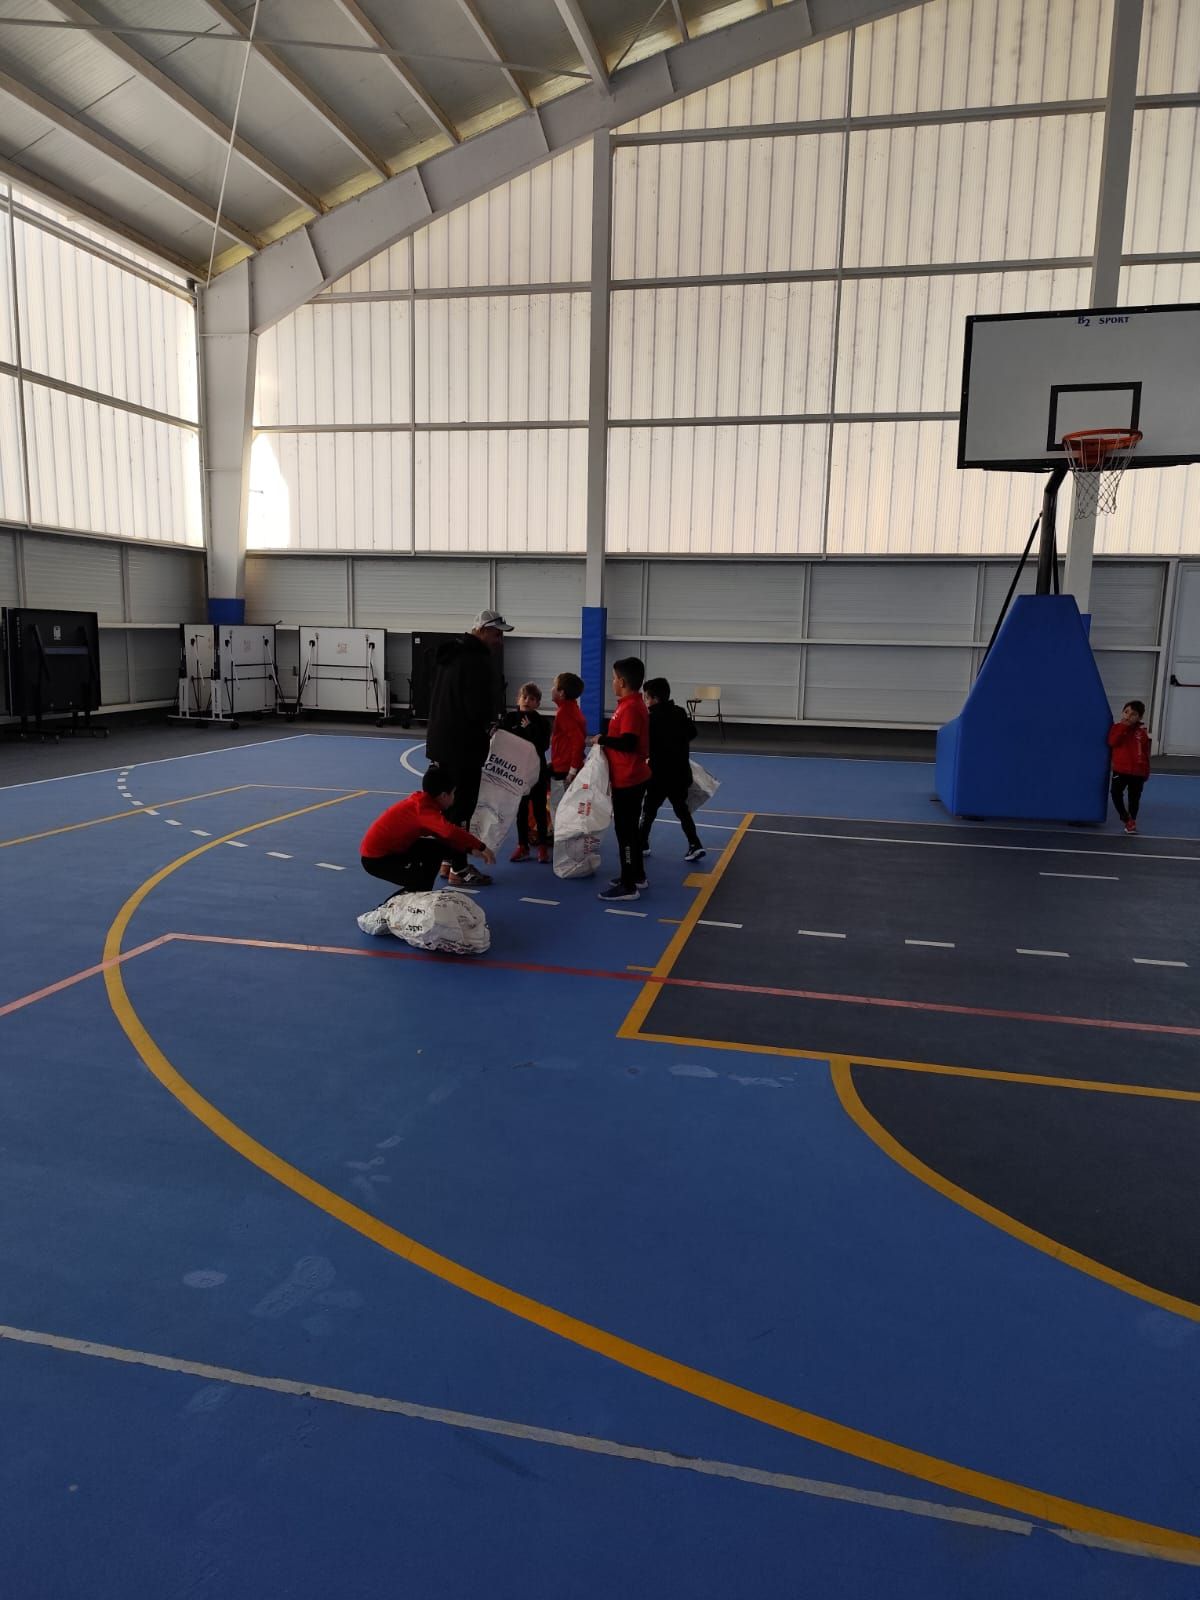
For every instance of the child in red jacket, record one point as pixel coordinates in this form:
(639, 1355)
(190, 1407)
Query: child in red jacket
(1129, 741)
(405, 845)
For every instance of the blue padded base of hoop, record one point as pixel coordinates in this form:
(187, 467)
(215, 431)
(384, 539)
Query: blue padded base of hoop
(1031, 740)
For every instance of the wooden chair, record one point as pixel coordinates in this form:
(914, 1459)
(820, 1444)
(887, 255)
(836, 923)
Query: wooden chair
(701, 696)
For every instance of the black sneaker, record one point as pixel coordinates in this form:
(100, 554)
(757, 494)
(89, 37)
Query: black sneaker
(618, 891)
(643, 883)
(696, 853)
(469, 878)
(645, 850)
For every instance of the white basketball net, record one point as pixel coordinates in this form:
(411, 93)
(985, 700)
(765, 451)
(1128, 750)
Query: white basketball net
(1098, 461)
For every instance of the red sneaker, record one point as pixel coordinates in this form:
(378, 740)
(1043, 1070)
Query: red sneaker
(520, 854)
(1130, 826)
(543, 855)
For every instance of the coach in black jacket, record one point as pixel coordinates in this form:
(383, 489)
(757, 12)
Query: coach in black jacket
(463, 707)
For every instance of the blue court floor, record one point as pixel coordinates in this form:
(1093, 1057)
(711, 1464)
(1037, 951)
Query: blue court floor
(765, 1237)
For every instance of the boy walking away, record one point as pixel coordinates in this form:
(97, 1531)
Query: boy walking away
(569, 735)
(1129, 741)
(671, 731)
(626, 744)
(405, 845)
(528, 723)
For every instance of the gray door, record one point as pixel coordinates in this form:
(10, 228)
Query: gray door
(1181, 716)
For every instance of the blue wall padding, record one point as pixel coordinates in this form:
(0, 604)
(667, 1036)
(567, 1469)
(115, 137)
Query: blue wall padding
(593, 647)
(226, 611)
(1031, 740)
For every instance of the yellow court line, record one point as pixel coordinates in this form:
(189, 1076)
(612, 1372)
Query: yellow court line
(638, 1012)
(841, 1068)
(115, 816)
(1053, 1509)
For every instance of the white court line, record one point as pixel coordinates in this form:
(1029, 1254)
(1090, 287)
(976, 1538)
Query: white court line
(150, 811)
(705, 923)
(279, 855)
(1146, 961)
(586, 1443)
(1090, 877)
(200, 833)
(615, 911)
(404, 755)
(963, 844)
(528, 900)
(329, 866)
(817, 933)
(171, 822)
(1062, 955)
(931, 944)
(236, 844)
(160, 761)
(138, 803)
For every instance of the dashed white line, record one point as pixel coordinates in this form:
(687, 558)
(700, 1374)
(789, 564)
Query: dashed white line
(1089, 877)
(817, 933)
(150, 811)
(236, 844)
(931, 944)
(171, 822)
(528, 900)
(1063, 955)
(705, 923)
(279, 855)
(1147, 961)
(329, 866)
(137, 802)
(614, 911)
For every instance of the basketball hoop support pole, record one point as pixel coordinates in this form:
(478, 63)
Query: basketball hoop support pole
(1047, 552)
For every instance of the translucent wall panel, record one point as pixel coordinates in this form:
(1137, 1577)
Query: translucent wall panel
(895, 489)
(8, 337)
(901, 341)
(115, 245)
(978, 191)
(12, 486)
(955, 53)
(721, 351)
(757, 489)
(742, 205)
(387, 273)
(513, 491)
(505, 358)
(89, 323)
(809, 85)
(330, 491)
(1156, 515)
(335, 364)
(536, 229)
(1170, 55)
(1163, 212)
(1164, 284)
(103, 470)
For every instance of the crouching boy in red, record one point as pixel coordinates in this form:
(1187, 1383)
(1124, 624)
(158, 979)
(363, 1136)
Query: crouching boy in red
(405, 845)
(1129, 742)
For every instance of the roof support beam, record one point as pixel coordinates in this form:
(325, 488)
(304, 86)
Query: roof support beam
(584, 41)
(680, 21)
(471, 11)
(73, 12)
(125, 157)
(355, 14)
(287, 75)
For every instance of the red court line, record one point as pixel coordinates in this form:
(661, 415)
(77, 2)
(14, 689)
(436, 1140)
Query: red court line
(78, 977)
(701, 983)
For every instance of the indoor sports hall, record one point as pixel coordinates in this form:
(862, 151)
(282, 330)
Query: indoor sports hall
(817, 1215)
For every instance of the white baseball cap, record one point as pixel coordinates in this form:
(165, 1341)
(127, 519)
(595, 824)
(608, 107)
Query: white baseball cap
(492, 619)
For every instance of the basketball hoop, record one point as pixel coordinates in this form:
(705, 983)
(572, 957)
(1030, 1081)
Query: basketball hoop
(1098, 458)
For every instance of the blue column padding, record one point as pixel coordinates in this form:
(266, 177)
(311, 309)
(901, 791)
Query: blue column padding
(1031, 740)
(593, 647)
(220, 611)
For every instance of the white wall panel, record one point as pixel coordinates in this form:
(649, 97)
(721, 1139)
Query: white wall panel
(510, 358)
(804, 86)
(1127, 675)
(734, 350)
(901, 341)
(114, 667)
(409, 594)
(77, 574)
(757, 489)
(340, 363)
(9, 593)
(537, 661)
(623, 582)
(8, 332)
(87, 322)
(536, 229)
(1156, 515)
(895, 488)
(12, 478)
(540, 596)
(855, 683)
(386, 273)
(1164, 283)
(973, 191)
(164, 585)
(330, 491)
(1163, 210)
(502, 491)
(954, 53)
(294, 590)
(745, 205)
(1170, 53)
(102, 470)
(755, 680)
(154, 665)
(725, 600)
(893, 601)
(1127, 604)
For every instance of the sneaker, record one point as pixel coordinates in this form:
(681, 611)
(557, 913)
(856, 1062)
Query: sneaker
(521, 853)
(1130, 825)
(696, 853)
(615, 883)
(469, 878)
(543, 855)
(445, 870)
(645, 850)
(617, 891)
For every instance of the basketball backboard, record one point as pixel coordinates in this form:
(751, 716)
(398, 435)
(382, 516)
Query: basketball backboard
(1030, 377)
